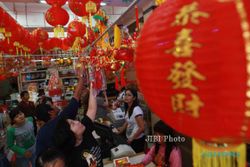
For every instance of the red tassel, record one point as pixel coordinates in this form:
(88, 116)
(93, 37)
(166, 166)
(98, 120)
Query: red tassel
(123, 81)
(117, 86)
(98, 80)
(137, 17)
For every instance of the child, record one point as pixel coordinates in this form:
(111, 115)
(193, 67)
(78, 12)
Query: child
(117, 111)
(50, 157)
(163, 153)
(21, 138)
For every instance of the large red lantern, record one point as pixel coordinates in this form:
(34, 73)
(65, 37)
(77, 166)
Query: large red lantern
(57, 16)
(78, 7)
(76, 29)
(56, 2)
(192, 65)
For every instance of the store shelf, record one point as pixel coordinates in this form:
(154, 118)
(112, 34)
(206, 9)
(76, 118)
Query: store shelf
(35, 80)
(69, 77)
(28, 72)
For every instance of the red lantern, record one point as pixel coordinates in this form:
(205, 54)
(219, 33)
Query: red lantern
(125, 54)
(76, 29)
(56, 2)
(78, 7)
(191, 64)
(57, 16)
(40, 35)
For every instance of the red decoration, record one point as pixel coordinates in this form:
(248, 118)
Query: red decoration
(78, 7)
(192, 67)
(126, 54)
(57, 16)
(56, 2)
(40, 35)
(117, 86)
(76, 29)
(122, 77)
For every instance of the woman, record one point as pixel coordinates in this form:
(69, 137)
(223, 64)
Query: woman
(134, 124)
(76, 141)
(163, 152)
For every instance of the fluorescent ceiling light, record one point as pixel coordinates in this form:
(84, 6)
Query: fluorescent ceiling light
(103, 4)
(43, 1)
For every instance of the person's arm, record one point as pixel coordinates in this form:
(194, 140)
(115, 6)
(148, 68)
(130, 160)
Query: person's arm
(91, 112)
(140, 122)
(71, 110)
(149, 156)
(175, 158)
(11, 142)
(79, 88)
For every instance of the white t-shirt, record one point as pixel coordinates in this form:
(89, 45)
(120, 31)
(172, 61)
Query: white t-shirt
(132, 124)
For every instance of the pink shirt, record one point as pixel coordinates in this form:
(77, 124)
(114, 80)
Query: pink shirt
(174, 159)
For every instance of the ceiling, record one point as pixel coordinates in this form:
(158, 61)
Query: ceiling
(30, 13)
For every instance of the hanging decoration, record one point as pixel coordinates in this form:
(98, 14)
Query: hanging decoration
(55, 3)
(211, 154)
(159, 2)
(57, 17)
(186, 55)
(78, 7)
(117, 37)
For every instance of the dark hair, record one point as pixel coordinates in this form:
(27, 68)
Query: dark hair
(13, 113)
(42, 112)
(164, 129)
(41, 92)
(48, 156)
(63, 138)
(23, 93)
(135, 102)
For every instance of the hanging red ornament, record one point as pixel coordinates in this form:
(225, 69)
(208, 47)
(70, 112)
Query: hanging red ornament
(78, 7)
(125, 54)
(57, 3)
(40, 35)
(57, 17)
(185, 56)
(117, 85)
(122, 77)
(77, 29)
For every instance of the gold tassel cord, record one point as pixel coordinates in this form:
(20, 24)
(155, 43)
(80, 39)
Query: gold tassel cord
(207, 155)
(59, 31)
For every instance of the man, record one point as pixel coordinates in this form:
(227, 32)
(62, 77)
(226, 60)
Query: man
(47, 124)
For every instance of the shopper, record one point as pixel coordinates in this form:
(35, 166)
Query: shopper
(21, 138)
(164, 152)
(50, 158)
(75, 138)
(26, 106)
(134, 124)
(44, 136)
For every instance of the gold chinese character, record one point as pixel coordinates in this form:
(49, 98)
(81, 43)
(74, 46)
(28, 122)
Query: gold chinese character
(182, 105)
(178, 102)
(189, 12)
(194, 105)
(181, 75)
(183, 44)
